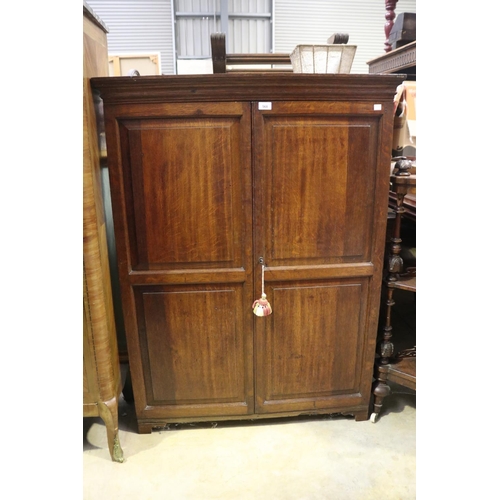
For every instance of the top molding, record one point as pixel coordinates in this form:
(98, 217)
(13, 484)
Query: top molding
(247, 87)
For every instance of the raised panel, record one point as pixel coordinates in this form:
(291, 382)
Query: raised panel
(320, 176)
(194, 342)
(187, 192)
(308, 200)
(312, 345)
(184, 179)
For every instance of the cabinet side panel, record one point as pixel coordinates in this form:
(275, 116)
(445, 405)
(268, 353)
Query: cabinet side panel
(103, 371)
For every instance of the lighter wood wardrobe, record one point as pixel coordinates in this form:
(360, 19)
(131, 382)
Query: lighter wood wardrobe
(101, 368)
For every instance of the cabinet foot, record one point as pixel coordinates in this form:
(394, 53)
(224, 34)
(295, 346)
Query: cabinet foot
(144, 428)
(108, 411)
(360, 416)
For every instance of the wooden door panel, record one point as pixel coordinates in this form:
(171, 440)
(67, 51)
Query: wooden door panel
(194, 343)
(318, 194)
(312, 345)
(184, 181)
(315, 225)
(182, 195)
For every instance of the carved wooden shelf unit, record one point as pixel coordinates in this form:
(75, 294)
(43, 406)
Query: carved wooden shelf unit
(400, 367)
(210, 173)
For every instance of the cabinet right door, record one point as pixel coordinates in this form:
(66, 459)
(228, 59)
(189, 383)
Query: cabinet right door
(319, 218)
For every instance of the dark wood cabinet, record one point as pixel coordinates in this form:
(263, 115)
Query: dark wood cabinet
(211, 173)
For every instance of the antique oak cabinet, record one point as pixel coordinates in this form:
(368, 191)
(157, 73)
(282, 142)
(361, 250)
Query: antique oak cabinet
(210, 176)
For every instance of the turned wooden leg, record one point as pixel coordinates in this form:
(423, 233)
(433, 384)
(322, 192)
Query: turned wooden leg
(390, 6)
(380, 390)
(108, 411)
(386, 348)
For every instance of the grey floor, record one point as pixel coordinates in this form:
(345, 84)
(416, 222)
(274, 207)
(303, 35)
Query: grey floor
(324, 458)
(321, 458)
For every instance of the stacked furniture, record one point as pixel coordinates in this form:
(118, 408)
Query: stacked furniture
(223, 62)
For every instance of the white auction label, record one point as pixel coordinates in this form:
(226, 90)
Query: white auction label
(266, 105)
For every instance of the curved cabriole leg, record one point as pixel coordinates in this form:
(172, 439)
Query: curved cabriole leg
(108, 411)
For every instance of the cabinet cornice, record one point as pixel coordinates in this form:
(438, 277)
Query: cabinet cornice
(250, 87)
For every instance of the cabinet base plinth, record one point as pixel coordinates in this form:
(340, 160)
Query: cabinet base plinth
(146, 426)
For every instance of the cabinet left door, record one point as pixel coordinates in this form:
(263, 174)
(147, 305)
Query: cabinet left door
(181, 189)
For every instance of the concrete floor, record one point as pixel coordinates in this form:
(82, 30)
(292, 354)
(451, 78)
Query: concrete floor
(329, 457)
